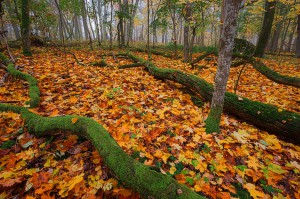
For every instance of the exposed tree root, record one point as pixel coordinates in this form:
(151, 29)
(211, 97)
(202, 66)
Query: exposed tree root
(283, 123)
(34, 91)
(147, 182)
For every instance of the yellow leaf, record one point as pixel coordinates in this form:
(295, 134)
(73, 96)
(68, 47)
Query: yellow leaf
(74, 120)
(253, 192)
(75, 181)
(47, 164)
(30, 197)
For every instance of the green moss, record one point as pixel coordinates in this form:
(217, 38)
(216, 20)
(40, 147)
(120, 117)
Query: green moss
(213, 120)
(269, 73)
(3, 58)
(283, 123)
(134, 174)
(34, 91)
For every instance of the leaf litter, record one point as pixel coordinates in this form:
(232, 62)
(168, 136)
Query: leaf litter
(154, 121)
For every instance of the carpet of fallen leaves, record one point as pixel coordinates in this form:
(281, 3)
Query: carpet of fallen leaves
(154, 121)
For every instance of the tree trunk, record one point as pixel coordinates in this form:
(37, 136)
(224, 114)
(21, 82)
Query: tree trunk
(96, 23)
(290, 37)
(186, 32)
(284, 36)
(266, 29)
(297, 53)
(110, 26)
(130, 28)
(229, 15)
(278, 28)
(25, 28)
(12, 16)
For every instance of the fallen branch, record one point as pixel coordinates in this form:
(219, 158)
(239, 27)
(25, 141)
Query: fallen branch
(271, 74)
(202, 57)
(147, 182)
(67, 52)
(280, 122)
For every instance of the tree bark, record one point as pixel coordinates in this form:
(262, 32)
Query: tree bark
(25, 28)
(12, 16)
(298, 38)
(186, 32)
(229, 15)
(266, 29)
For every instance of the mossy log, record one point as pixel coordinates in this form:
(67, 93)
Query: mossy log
(261, 68)
(282, 123)
(155, 52)
(269, 73)
(147, 182)
(131, 65)
(206, 54)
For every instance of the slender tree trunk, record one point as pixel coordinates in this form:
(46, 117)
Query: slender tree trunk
(291, 37)
(25, 28)
(266, 29)
(203, 26)
(110, 26)
(276, 35)
(230, 10)
(278, 29)
(130, 28)
(186, 32)
(96, 23)
(298, 38)
(284, 36)
(148, 29)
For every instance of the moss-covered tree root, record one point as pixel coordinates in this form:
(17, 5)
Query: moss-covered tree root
(147, 182)
(155, 52)
(34, 91)
(269, 73)
(283, 123)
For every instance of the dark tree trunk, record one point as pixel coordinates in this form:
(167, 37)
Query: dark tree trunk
(230, 12)
(186, 31)
(25, 28)
(298, 38)
(266, 29)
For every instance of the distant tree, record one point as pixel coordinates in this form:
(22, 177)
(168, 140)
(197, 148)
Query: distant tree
(230, 10)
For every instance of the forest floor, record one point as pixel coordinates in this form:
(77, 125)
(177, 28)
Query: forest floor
(152, 120)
